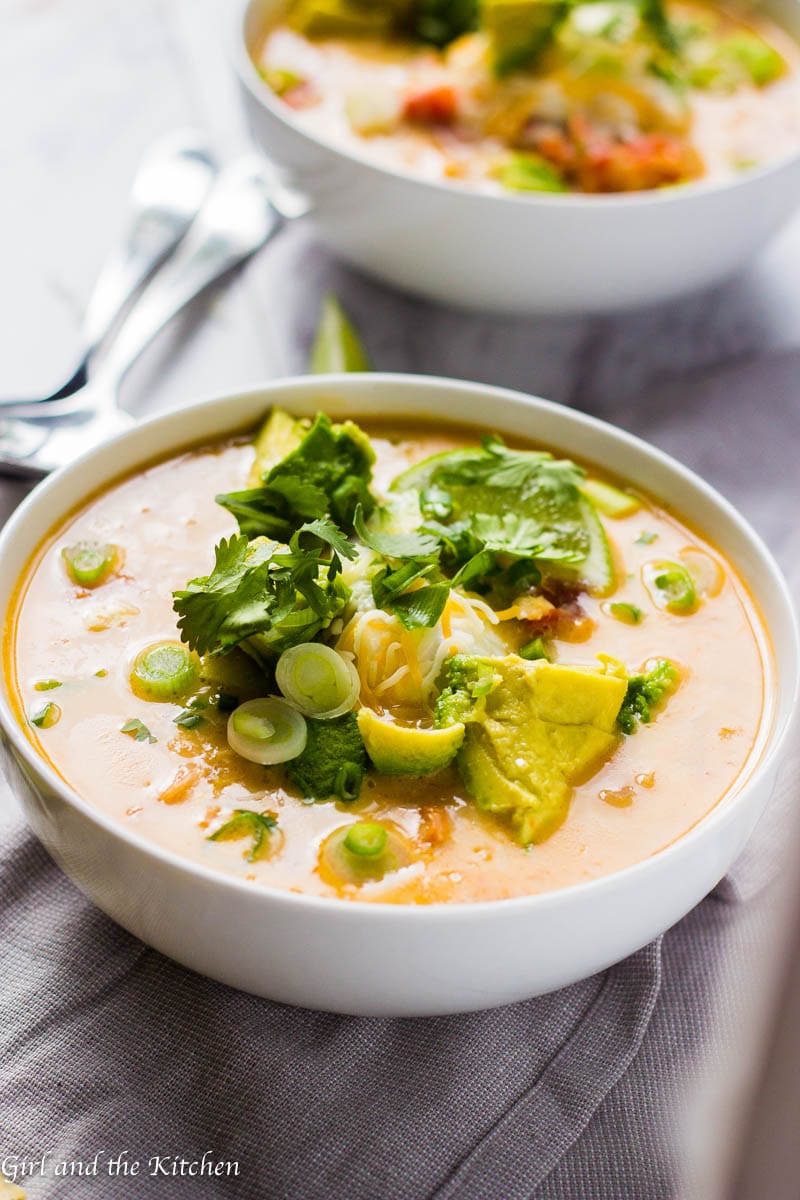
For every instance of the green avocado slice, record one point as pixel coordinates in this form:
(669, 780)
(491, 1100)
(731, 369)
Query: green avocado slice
(542, 729)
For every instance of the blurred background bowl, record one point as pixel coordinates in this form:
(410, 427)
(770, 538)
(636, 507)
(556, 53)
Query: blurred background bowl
(532, 253)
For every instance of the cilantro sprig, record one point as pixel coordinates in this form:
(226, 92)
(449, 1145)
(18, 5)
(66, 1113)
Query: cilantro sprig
(247, 823)
(269, 596)
(326, 475)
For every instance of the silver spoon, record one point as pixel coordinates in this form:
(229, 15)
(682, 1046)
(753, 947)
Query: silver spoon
(236, 220)
(168, 191)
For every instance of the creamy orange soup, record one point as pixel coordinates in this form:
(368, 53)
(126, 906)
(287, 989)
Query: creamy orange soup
(531, 96)
(73, 647)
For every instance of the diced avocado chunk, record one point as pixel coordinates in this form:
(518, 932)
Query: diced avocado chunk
(341, 19)
(279, 435)
(542, 729)
(406, 750)
(520, 30)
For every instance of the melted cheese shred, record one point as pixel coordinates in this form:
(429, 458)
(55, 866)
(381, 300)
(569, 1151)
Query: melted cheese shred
(399, 667)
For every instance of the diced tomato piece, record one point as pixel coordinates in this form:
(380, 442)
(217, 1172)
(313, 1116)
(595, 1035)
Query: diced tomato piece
(436, 106)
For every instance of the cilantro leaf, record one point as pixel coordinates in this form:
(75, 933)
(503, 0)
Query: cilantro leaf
(421, 608)
(644, 693)
(388, 584)
(327, 474)
(219, 610)
(327, 532)
(396, 545)
(496, 504)
(247, 823)
(138, 730)
(266, 596)
(263, 511)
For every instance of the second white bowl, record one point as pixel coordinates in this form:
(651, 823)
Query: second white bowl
(532, 253)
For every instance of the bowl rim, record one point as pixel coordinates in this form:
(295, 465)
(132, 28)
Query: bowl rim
(775, 740)
(249, 77)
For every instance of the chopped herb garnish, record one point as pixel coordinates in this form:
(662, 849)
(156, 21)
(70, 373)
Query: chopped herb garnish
(188, 719)
(272, 597)
(506, 504)
(47, 685)
(396, 545)
(421, 608)
(137, 730)
(246, 823)
(326, 475)
(646, 538)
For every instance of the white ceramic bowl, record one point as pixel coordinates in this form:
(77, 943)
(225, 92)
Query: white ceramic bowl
(518, 253)
(394, 959)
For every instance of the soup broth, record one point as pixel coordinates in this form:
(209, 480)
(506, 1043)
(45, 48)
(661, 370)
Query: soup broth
(175, 780)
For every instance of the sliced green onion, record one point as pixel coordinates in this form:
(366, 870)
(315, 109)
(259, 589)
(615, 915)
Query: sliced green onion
(317, 680)
(46, 716)
(266, 731)
(610, 500)
(535, 648)
(367, 839)
(646, 538)
(164, 671)
(630, 614)
(90, 563)
(46, 685)
(671, 587)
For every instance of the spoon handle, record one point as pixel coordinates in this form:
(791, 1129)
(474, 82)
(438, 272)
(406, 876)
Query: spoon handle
(168, 191)
(236, 220)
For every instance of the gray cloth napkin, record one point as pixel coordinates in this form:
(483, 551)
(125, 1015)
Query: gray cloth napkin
(106, 1047)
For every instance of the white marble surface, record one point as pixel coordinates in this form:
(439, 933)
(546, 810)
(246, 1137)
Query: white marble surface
(85, 87)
